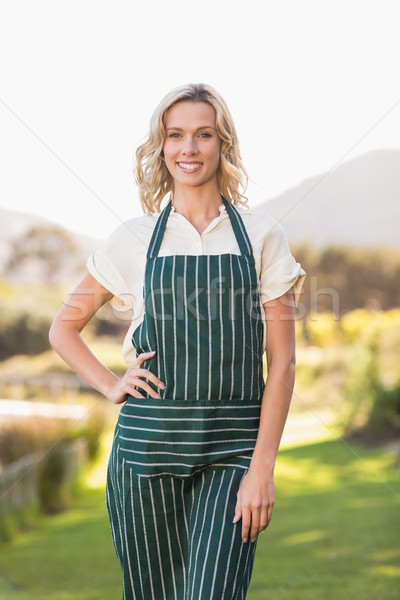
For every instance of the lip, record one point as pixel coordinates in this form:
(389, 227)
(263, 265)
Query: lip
(181, 164)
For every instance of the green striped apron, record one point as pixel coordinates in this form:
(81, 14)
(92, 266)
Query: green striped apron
(177, 462)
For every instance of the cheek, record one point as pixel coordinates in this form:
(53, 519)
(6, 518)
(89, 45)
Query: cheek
(215, 153)
(167, 153)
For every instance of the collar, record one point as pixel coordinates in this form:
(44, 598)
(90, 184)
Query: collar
(221, 209)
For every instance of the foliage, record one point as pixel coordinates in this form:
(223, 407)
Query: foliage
(22, 330)
(350, 366)
(19, 437)
(59, 475)
(361, 277)
(41, 249)
(371, 390)
(91, 428)
(323, 330)
(59, 450)
(26, 313)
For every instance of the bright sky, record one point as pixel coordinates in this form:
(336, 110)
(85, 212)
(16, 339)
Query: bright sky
(309, 84)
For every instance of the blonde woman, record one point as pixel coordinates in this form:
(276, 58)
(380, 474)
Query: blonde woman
(191, 473)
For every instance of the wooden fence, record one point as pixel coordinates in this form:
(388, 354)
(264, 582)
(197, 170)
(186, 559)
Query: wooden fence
(22, 482)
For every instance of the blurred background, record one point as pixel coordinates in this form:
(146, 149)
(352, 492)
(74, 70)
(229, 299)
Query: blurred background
(313, 90)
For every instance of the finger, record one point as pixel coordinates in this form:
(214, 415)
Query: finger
(255, 524)
(263, 519)
(270, 511)
(266, 516)
(143, 385)
(148, 375)
(133, 391)
(144, 356)
(246, 522)
(238, 510)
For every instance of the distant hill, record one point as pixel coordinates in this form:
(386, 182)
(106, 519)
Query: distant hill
(358, 203)
(14, 229)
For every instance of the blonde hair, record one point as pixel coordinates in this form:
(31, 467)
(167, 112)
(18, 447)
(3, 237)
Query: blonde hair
(151, 174)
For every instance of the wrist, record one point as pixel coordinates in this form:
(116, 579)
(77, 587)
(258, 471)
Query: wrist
(262, 465)
(109, 386)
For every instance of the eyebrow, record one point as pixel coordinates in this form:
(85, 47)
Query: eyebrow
(198, 129)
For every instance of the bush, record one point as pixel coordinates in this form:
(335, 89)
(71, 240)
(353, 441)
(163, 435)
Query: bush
(372, 406)
(22, 331)
(59, 474)
(322, 330)
(42, 459)
(21, 436)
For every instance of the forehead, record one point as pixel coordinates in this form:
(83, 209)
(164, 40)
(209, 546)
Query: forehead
(185, 113)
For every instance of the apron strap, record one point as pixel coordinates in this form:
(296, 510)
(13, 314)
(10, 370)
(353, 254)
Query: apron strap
(236, 221)
(238, 228)
(158, 232)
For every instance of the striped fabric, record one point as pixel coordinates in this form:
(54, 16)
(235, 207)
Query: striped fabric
(181, 439)
(174, 537)
(177, 462)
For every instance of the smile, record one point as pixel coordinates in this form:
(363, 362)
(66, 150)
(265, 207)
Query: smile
(189, 167)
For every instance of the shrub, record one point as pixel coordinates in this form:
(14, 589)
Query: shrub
(57, 451)
(22, 331)
(371, 407)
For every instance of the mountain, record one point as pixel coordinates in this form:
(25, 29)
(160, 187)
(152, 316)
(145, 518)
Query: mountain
(67, 251)
(357, 203)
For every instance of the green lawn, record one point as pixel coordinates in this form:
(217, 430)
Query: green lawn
(334, 535)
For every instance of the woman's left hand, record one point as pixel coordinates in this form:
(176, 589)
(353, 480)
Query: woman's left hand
(255, 503)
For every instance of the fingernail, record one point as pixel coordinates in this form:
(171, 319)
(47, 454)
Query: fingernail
(244, 540)
(162, 385)
(158, 396)
(235, 518)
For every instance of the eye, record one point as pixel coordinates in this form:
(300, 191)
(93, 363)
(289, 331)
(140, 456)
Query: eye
(174, 135)
(205, 135)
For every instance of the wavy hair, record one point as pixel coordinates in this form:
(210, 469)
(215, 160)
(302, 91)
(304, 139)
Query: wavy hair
(150, 171)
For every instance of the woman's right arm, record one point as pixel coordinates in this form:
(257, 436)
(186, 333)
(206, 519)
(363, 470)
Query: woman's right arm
(65, 338)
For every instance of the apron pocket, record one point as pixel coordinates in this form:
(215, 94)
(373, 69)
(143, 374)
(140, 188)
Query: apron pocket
(158, 438)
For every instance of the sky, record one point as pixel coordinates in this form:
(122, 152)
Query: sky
(311, 84)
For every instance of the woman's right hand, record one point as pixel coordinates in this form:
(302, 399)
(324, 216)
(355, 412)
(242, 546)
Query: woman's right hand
(132, 380)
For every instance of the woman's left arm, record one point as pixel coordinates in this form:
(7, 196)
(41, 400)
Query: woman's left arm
(255, 498)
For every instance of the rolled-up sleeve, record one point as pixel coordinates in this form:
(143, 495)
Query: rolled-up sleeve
(279, 269)
(104, 269)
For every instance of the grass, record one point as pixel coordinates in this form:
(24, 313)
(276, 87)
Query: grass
(335, 531)
(334, 535)
(69, 556)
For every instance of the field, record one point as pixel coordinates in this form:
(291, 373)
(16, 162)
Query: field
(334, 535)
(335, 530)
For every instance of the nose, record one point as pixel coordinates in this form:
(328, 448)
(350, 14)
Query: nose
(189, 147)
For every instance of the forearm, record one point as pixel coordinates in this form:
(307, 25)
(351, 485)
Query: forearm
(68, 343)
(274, 410)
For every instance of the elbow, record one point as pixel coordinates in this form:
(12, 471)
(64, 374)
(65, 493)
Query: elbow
(56, 334)
(282, 363)
(53, 335)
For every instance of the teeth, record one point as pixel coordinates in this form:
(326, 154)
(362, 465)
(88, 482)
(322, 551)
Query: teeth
(190, 166)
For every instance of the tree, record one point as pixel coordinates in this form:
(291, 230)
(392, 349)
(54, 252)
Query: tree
(40, 251)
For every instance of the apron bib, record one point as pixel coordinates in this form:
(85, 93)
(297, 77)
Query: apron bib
(203, 318)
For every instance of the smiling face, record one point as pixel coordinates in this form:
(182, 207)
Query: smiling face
(192, 146)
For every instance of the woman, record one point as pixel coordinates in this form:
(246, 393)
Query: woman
(190, 479)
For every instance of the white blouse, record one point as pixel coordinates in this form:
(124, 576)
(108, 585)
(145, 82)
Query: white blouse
(119, 263)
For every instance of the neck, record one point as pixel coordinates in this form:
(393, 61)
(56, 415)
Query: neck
(197, 205)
